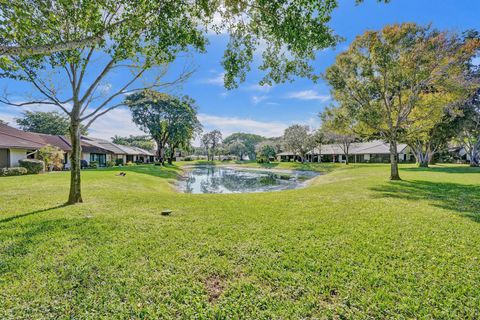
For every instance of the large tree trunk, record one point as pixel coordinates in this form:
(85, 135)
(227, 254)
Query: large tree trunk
(423, 154)
(474, 156)
(394, 175)
(172, 154)
(161, 152)
(75, 195)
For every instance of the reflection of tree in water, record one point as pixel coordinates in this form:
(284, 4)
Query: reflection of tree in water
(212, 183)
(189, 182)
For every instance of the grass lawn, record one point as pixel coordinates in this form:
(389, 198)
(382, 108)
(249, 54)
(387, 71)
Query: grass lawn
(351, 245)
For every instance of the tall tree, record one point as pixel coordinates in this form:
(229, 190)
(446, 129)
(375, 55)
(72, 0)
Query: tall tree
(143, 142)
(469, 133)
(339, 127)
(185, 127)
(385, 78)
(297, 138)
(46, 122)
(238, 149)
(249, 140)
(265, 151)
(141, 36)
(211, 142)
(318, 139)
(160, 115)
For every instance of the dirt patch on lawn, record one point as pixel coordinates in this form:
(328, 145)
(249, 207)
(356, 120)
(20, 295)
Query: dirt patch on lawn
(215, 287)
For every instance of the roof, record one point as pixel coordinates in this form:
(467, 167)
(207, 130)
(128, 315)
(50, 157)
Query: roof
(57, 141)
(107, 145)
(285, 153)
(116, 148)
(15, 138)
(370, 147)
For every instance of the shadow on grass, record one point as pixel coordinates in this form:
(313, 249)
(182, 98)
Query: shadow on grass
(23, 215)
(445, 169)
(461, 198)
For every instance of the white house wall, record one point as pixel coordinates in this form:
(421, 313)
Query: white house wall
(16, 155)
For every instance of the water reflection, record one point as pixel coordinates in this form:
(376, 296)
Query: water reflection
(212, 179)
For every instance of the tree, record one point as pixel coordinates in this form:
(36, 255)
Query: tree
(318, 139)
(211, 141)
(3, 122)
(183, 129)
(143, 142)
(46, 122)
(135, 37)
(339, 128)
(249, 140)
(237, 148)
(469, 134)
(298, 139)
(160, 115)
(432, 138)
(386, 77)
(266, 151)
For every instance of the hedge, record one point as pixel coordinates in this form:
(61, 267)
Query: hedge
(33, 166)
(14, 171)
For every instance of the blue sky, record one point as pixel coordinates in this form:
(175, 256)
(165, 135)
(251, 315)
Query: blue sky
(268, 111)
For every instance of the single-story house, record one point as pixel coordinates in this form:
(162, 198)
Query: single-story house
(124, 153)
(16, 145)
(371, 151)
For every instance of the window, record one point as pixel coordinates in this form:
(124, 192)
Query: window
(101, 158)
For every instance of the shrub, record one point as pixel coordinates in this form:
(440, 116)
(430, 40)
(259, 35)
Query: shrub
(187, 159)
(33, 166)
(158, 163)
(93, 165)
(111, 163)
(52, 156)
(130, 163)
(119, 162)
(14, 171)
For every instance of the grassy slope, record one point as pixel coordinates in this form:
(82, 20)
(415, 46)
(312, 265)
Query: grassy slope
(351, 244)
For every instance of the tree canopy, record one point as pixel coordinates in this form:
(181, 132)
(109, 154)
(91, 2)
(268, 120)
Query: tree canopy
(163, 117)
(247, 140)
(396, 80)
(211, 142)
(298, 139)
(46, 122)
(143, 142)
(338, 127)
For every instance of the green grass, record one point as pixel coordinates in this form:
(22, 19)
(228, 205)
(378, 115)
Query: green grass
(351, 245)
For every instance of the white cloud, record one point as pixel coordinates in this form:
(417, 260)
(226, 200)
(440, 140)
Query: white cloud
(308, 95)
(229, 125)
(116, 122)
(105, 88)
(216, 80)
(258, 99)
(217, 26)
(10, 113)
(270, 103)
(9, 118)
(260, 88)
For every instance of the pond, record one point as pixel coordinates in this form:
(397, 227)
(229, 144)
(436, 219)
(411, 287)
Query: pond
(218, 179)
